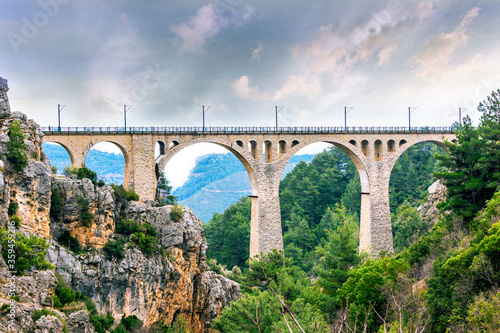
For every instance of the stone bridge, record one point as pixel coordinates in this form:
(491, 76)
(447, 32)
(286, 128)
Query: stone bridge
(264, 152)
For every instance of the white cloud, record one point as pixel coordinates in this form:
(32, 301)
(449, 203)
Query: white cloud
(296, 86)
(256, 53)
(384, 55)
(207, 23)
(437, 53)
(293, 87)
(243, 90)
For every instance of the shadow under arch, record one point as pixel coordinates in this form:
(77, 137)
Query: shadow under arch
(161, 164)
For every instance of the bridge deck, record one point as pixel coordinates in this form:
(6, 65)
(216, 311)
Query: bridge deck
(244, 130)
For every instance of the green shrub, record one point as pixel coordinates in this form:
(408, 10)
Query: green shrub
(28, 252)
(122, 196)
(86, 217)
(114, 249)
(5, 307)
(128, 324)
(146, 243)
(53, 169)
(70, 170)
(16, 147)
(176, 213)
(34, 155)
(56, 204)
(127, 227)
(44, 312)
(17, 221)
(69, 241)
(13, 207)
(102, 323)
(64, 294)
(84, 172)
(101, 183)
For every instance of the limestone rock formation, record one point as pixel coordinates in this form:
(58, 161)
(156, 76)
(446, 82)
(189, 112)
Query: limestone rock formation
(173, 282)
(156, 289)
(101, 205)
(4, 100)
(428, 210)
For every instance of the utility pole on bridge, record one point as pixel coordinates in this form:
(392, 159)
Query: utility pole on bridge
(346, 111)
(410, 111)
(125, 110)
(59, 109)
(208, 108)
(278, 111)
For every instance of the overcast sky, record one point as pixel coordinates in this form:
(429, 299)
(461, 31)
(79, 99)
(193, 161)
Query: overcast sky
(167, 58)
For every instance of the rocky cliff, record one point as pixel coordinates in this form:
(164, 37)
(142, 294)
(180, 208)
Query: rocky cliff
(170, 282)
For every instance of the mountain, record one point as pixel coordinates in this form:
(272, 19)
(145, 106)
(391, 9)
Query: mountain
(218, 181)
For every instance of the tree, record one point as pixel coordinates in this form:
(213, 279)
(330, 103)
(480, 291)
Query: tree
(16, 147)
(336, 256)
(164, 194)
(408, 227)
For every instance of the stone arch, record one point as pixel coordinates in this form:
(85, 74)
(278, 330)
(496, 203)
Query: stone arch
(365, 147)
(353, 142)
(125, 150)
(356, 156)
(295, 143)
(239, 143)
(268, 151)
(402, 142)
(378, 151)
(161, 146)
(252, 148)
(70, 153)
(240, 153)
(282, 147)
(173, 144)
(391, 146)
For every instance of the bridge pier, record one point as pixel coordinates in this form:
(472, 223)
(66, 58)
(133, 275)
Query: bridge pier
(265, 226)
(375, 232)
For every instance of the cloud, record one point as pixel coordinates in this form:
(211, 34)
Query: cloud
(243, 90)
(437, 53)
(209, 21)
(296, 86)
(293, 87)
(384, 55)
(256, 53)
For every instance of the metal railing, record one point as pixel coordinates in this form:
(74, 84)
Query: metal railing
(243, 130)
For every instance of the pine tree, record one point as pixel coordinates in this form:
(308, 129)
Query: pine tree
(16, 147)
(164, 194)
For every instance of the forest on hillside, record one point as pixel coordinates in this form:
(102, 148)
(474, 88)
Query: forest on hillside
(444, 276)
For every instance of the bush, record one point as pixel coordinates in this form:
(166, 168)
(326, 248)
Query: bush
(84, 172)
(44, 312)
(101, 183)
(70, 242)
(128, 324)
(56, 204)
(122, 196)
(16, 147)
(146, 243)
(28, 252)
(53, 169)
(86, 217)
(63, 293)
(176, 213)
(127, 227)
(13, 207)
(114, 249)
(102, 323)
(70, 170)
(17, 221)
